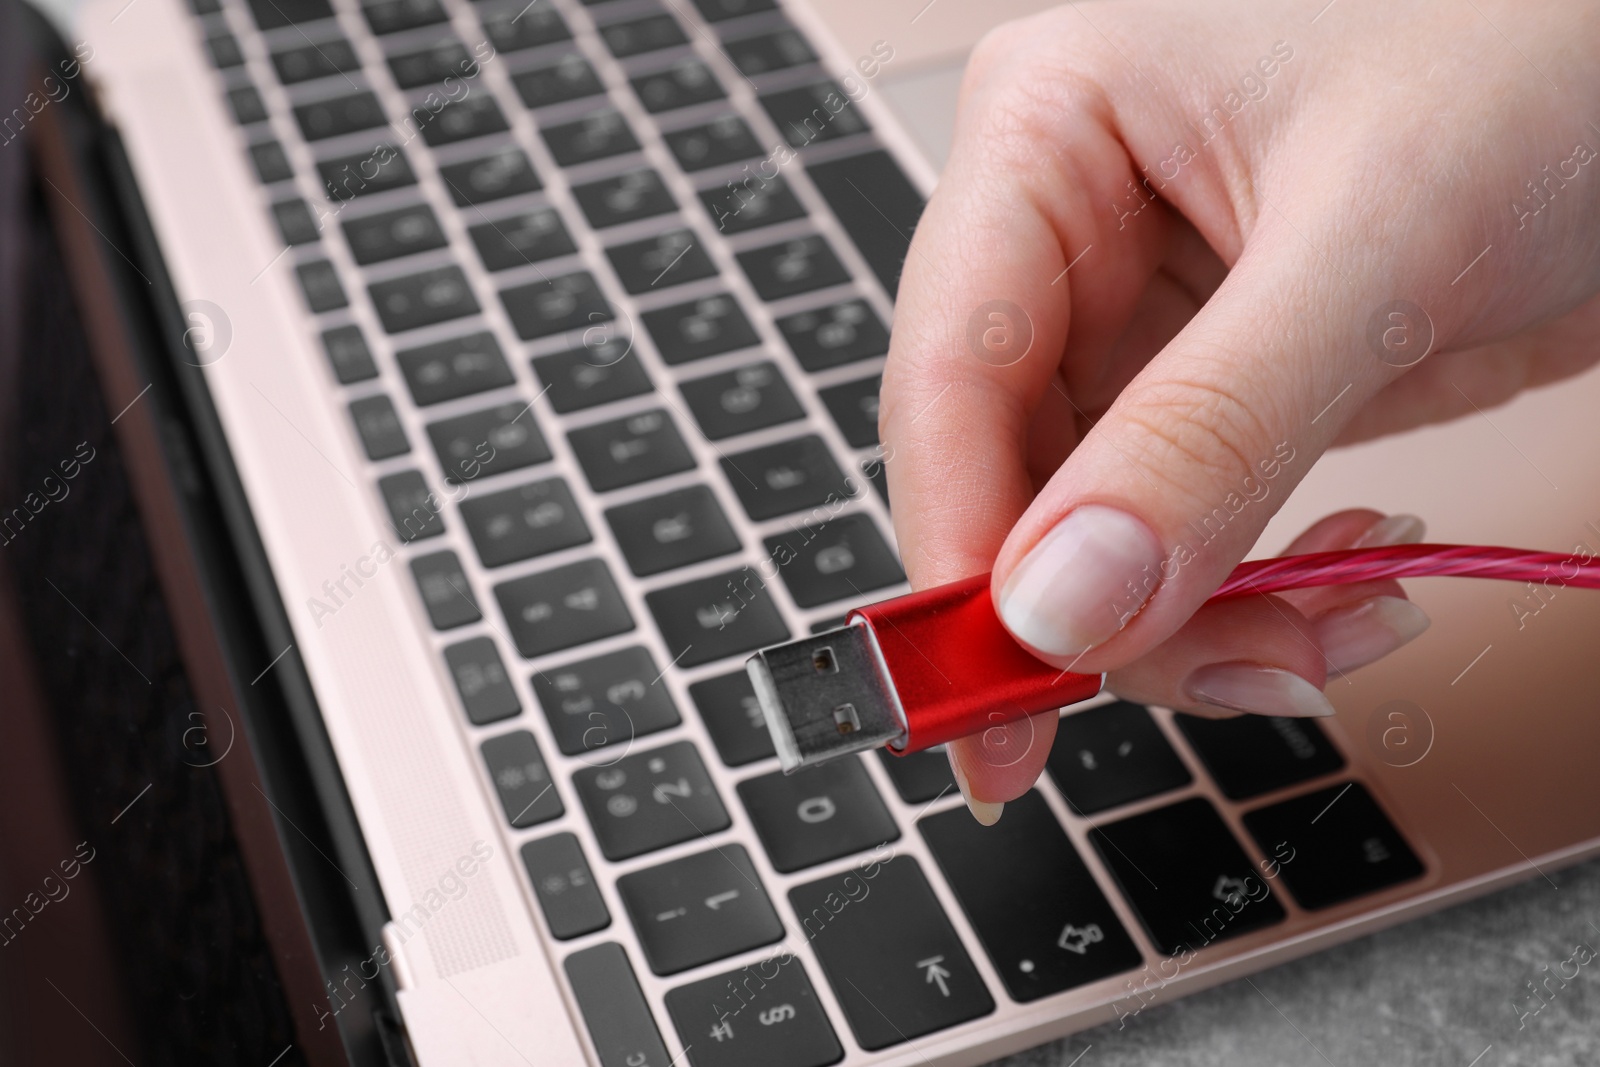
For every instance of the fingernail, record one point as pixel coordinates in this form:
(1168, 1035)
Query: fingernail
(1254, 688)
(1357, 634)
(984, 811)
(1394, 530)
(1082, 582)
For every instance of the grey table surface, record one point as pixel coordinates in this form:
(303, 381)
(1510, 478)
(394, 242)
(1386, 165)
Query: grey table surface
(1448, 989)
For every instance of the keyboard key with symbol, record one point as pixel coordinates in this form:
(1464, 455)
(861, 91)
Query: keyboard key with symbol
(458, 367)
(1042, 919)
(521, 239)
(788, 476)
(742, 400)
(1187, 878)
(839, 333)
(378, 426)
(614, 1010)
(320, 284)
(348, 354)
(224, 51)
(728, 706)
(502, 173)
(561, 879)
(485, 690)
(1332, 845)
(896, 965)
(445, 591)
(649, 800)
(571, 78)
(660, 262)
(627, 197)
(1110, 755)
(565, 302)
(700, 908)
(638, 36)
(413, 509)
(563, 607)
(459, 120)
(767, 52)
(842, 557)
(488, 442)
(854, 406)
(595, 136)
(919, 776)
(661, 533)
(813, 113)
(423, 299)
(605, 701)
(311, 61)
(530, 520)
(531, 27)
(247, 105)
(521, 779)
(765, 1013)
(629, 450)
(686, 82)
(792, 267)
(270, 162)
(392, 16)
(717, 143)
(1254, 754)
(337, 117)
(710, 618)
(376, 170)
(445, 58)
(700, 328)
(591, 375)
(393, 234)
(817, 814)
(739, 207)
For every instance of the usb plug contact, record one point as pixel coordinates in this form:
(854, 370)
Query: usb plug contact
(825, 696)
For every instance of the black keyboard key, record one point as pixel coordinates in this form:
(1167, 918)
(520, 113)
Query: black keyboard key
(627, 197)
(348, 354)
(486, 692)
(522, 779)
(205, 7)
(605, 701)
(638, 36)
(224, 51)
(700, 908)
(660, 262)
(307, 62)
(563, 607)
(273, 14)
(522, 239)
(296, 223)
(711, 618)
(919, 777)
(570, 78)
(874, 471)
(1332, 845)
(270, 162)
(687, 82)
(533, 26)
(1254, 754)
(460, 120)
(339, 116)
(413, 509)
(649, 800)
(1113, 754)
(836, 334)
(895, 964)
(814, 113)
(504, 172)
(595, 136)
(460, 366)
(716, 143)
(393, 234)
(717, 10)
(593, 375)
(247, 105)
(739, 207)
(854, 406)
(840, 558)
(561, 879)
(445, 58)
(728, 706)
(614, 1010)
(392, 16)
(767, 52)
(1042, 919)
(876, 204)
(788, 476)
(765, 1013)
(700, 328)
(378, 426)
(492, 441)
(817, 814)
(1187, 878)
(565, 302)
(445, 592)
(661, 533)
(629, 450)
(377, 170)
(320, 284)
(791, 267)
(530, 520)
(739, 401)
(436, 295)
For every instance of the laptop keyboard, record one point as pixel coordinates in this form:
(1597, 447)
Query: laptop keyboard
(617, 385)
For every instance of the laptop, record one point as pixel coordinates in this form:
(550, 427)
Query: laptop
(473, 366)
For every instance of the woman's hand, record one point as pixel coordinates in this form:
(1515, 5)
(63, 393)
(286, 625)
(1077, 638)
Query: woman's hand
(1180, 250)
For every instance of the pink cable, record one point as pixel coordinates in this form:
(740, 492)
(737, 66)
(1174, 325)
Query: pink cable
(1410, 561)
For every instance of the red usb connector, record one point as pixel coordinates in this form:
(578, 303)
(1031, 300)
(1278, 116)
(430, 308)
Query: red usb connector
(929, 667)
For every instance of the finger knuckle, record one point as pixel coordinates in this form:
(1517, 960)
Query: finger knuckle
(1196, 434)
